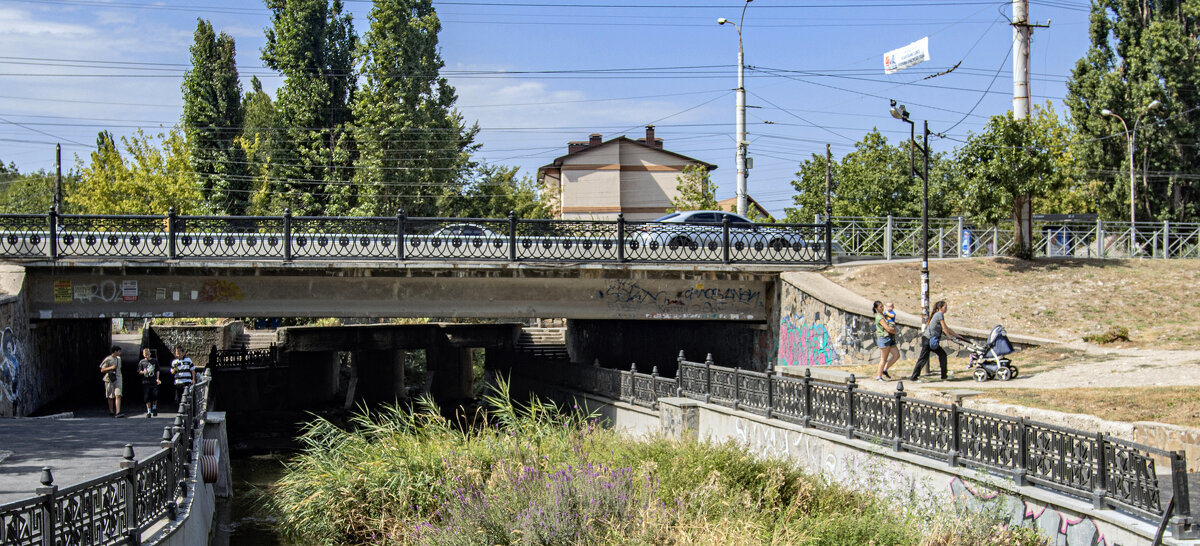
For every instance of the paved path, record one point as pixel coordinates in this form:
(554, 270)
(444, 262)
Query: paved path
(76, 449)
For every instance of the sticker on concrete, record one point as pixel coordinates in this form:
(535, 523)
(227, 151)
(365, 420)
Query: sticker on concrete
(62, 291)
(129, 290)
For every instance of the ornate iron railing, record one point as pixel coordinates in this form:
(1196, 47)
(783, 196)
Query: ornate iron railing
(1112, 473)
(117, 507)
(242, 359)
(900, 237)
(396, 238)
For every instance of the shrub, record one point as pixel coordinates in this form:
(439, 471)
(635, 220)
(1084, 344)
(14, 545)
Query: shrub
(1115, 333)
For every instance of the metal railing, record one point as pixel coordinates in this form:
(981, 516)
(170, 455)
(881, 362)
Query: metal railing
(117, 507)
(398, 238)
(900, 237)
(242, 359)
(1112, 473)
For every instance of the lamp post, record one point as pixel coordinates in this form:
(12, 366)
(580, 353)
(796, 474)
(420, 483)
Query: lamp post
(741, 113)
(901, 113)
(1131, 136)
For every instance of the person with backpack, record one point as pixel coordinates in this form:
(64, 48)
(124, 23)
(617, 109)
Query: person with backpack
(936, 331)
(110, 369)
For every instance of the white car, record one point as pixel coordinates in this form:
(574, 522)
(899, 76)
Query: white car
(704, 229)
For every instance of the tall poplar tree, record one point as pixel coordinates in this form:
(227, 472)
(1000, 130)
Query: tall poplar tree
(311, 42)
(414, 148)
(1141, 51)
(212, 120)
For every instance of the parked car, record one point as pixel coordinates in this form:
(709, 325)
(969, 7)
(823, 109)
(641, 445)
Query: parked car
(464, 230)
(704, 230)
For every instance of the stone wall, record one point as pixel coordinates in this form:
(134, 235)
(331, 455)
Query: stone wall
(197, 341)
(44, 360)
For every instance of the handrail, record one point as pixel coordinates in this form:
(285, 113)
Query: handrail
(1112, 473)
(117, 507)
(290, 238)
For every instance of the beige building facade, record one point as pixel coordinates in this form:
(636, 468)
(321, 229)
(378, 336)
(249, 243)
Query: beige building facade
(597, 180)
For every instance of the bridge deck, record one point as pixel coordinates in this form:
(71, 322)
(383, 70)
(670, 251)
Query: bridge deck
(76, 449)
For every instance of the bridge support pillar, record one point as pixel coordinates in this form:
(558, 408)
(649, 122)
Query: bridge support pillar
(313, 377)
(380, 375)
(453, 376)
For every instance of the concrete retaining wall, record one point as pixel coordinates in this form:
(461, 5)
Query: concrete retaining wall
(657, 343)
(823, 324)
(41, 361)
(196, 341)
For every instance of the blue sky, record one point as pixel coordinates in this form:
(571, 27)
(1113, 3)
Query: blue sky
(536, 74)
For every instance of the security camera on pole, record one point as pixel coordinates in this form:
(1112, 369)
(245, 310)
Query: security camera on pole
(742, 144)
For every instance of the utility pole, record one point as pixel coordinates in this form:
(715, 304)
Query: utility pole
(58, 178)
(1021, 34)
(828, 180)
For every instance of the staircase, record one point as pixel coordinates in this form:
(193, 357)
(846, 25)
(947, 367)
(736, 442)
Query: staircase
(547, 343)
(253, 339)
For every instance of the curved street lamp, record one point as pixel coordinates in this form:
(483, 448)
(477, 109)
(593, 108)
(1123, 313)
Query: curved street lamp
(1131, 136)
(899, 112)
(742, 144)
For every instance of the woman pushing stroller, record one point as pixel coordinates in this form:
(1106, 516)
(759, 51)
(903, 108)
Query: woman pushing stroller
(936, 331)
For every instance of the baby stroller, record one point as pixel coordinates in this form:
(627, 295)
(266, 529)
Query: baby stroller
(988, 360)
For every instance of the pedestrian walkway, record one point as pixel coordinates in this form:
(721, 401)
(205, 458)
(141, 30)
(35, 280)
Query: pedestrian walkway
(77, 449)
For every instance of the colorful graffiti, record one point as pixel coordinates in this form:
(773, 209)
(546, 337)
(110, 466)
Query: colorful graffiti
(10, 365)
(1062, 530)
(218, 290)
(631, 295)
(805, 344)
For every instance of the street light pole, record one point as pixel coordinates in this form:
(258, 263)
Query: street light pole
(742, 144)
(1131, 136)
(901, 113)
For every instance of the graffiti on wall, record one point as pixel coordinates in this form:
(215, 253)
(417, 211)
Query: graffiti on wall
(10, 364)
(218, 290)
(805, 343)
(1062, 530)
(698, 301)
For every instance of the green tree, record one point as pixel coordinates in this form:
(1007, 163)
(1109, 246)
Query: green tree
(874, 180)
(414, 148)
(1011, 164)
(696, 190)
(311, 42)
(148, 179)
(1140, 52)
(212, 120)
(28, 193)
(493, 191)
(256, 142)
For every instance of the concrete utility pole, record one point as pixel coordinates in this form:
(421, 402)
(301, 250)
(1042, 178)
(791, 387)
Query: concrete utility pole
(742, 144)
(1021, 33)
(58, 179)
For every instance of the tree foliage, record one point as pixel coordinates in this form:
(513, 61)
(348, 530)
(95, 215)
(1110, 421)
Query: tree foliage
(494, 191)
(1140, 52)
(147, 179)
(696, 190)
(414, 148)
(28, 193)
(311, 42)
(212, 120)
(874, 180)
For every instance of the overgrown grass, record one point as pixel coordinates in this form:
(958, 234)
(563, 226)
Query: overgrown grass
(535, 474)
(1173, 405)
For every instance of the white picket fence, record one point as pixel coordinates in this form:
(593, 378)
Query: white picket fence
(900, 237)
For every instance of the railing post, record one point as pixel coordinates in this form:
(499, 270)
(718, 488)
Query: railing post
(806, 382)
(1100, 477)
(172, 250)
(995, 241)
(287, 235)
(887, 238)
(724, 239)
(52, 218)
(1132, 239)
(632, 382)
(172, 509)
(829, 239)
(708, 363)
(1166, 253)
(941, 239)
(620, 237)
(961, 240)
(48, 491)
(512, 235)
(400, 221)
(770, 389)
(898, 441)
(679, 374)
(1181, 521)
(1022, 454)
(851, 386)
(129, 465)
(737, 395)
(1099, 238)
(654, 386)
(955, 436)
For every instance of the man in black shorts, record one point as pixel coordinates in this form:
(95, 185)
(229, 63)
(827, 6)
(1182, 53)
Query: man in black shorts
(148, 369)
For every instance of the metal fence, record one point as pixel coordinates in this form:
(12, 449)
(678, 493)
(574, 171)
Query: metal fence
(398, 238)
(242, 359)
(117, 507)
(899, 237)
(1110, 472)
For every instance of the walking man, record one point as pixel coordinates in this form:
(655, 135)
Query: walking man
(148, 369)
(110, 368)
(184, 372)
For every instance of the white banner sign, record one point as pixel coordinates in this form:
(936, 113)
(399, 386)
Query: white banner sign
(909, 55)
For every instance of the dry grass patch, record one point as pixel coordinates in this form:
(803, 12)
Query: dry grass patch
(1172, 405)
